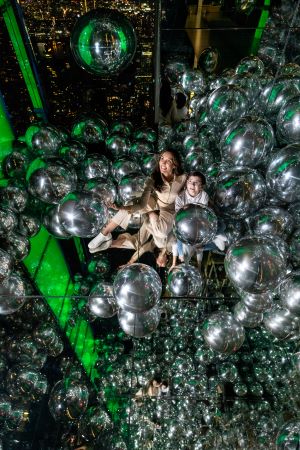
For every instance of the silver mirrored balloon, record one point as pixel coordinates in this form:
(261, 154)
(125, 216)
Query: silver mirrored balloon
(246, 317)
(281, 323)
(283, 174)
(193, 81)
(250, 64)
(117, 145)
(13, 198)
(245, 6)
(12, 294)
(145, 134)
(137, 288)
(239, 192)
(89, 130)
(95, 166)
(104, 190)
(101, 301)
(257, 303)
(148, 163)
(8, 221)
(6, 264)
(52, 222)
(246, 141)
(288, 121)
(139, 324)
(185, 281)
(82, 215)
(198, 160)
(276, 94)
(28, 225)
(46, 141)
(73, 153)
(226, 104)
(255, 264)
(195, 224)
(17, 246)
(15, 164)
(271, 221)
(124, 168)
(209, 59)
(103, 42)
(223, 333)
(131, 188)
(290, 293)
(288, 437)
(293, 209)
(68, 400)
(124, 128)
(250, 84)
(52, 182)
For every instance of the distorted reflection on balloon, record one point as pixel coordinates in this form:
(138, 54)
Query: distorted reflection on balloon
(52, 182)
(246, 141)
(68, 400)
(89, 130)
(247, 317)
(74, 152)
(223, 333)
(271, 221)
(185, 281)
(101, 301)
(226, 104)
(137, 288)
(13, 198)
(195, 224)
(82, 215)
(12, 294)
(52, 222)
(255, 264)
(103, 42)
(239, 192)
(131, 187)
(139, 324)
(290, 293)
(283, 174)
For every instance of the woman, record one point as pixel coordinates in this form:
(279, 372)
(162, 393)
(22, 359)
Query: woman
(157, 202)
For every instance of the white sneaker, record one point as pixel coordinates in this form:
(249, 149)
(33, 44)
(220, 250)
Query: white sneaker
(103, 246)
(219, 241)
(99, 240)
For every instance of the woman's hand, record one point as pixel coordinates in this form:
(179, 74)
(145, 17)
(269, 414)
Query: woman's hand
(171, 268)
(162, 260)
(111, 205)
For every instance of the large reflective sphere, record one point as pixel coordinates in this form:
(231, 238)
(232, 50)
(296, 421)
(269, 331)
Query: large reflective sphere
(239, 192)
(101, 301)
(288, 437)
(104, 189)
(8, 221)
(103, 42)
(246, 141)
(226, 104)
(250, 64)
(94, 166)
(13, 198)
(68, 400)
(17, 246)
(89, 130)
(73, 152)
(139, 324)
(46, 141)
(288, 121)
(52, 222)
(185, 281)
(283, 174)
(246, 317)
(131, 187)
(290, 293)
(281, 323)
(255, 264)
(271, 221)
(12, 294)
(195, 224)
(117, 145)
(52, 181)
(276, 94)
(82, 215)
(137, 288)
(124, 168)
(223, 333)
(209, 59)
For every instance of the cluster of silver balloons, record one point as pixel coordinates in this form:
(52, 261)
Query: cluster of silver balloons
(134, 296)
(28, 338)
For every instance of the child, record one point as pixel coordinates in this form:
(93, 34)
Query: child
(193, 193)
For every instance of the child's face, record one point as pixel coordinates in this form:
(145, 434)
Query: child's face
(194, 186)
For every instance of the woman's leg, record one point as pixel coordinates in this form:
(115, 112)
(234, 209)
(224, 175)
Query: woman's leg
(103, 240)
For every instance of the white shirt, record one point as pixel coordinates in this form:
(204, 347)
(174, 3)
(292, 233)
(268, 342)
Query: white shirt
(185, 199)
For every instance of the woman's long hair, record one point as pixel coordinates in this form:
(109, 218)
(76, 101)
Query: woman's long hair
(158, 181)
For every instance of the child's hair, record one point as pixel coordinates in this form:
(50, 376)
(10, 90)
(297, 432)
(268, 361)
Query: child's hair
(196, 174)
(180, 100)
